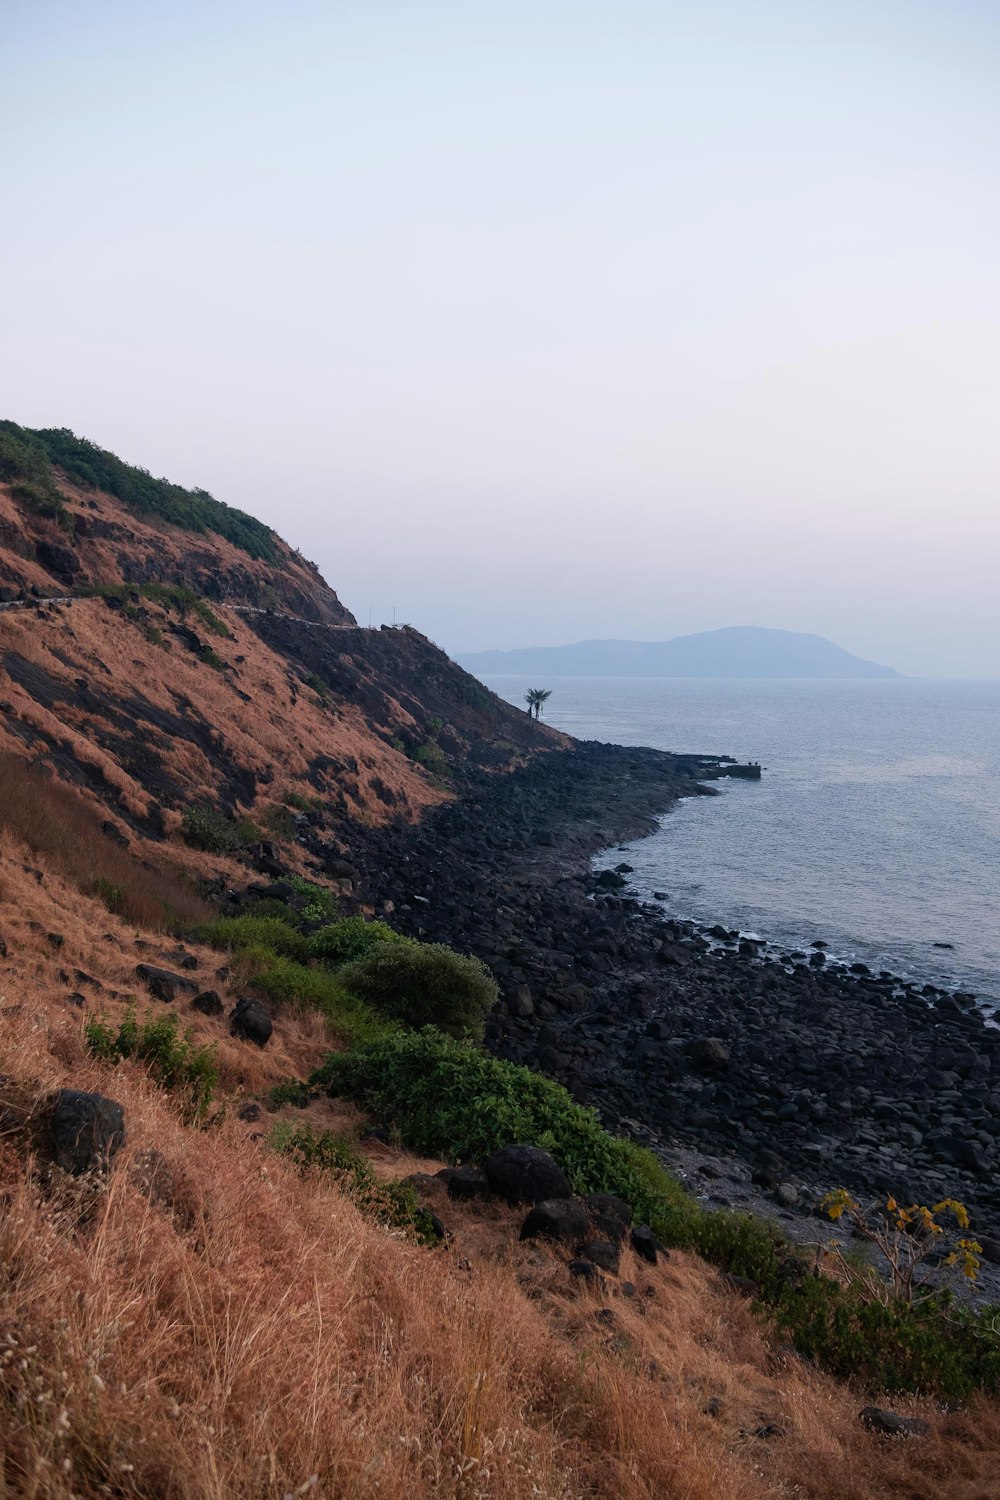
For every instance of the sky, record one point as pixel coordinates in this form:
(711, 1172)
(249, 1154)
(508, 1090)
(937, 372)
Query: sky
(535, 322)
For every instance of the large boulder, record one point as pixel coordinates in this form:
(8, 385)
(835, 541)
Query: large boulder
(209, 1002)
(251, 1020)
(709, 1054)
(611, 1215)
(87, 1130)
(562, 1219)
(163, 984)
(525, 1174)
(466, 1183)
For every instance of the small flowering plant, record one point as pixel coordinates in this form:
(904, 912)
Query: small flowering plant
(906, 1238)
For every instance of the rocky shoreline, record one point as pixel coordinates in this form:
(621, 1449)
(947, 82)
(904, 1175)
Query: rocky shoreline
(765, 1078)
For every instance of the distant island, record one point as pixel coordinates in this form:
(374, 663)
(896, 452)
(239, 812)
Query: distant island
(739, 651)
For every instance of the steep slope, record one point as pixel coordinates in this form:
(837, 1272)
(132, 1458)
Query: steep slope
(738, 651)
(73, 515)
(161, 651)
(215, 1321)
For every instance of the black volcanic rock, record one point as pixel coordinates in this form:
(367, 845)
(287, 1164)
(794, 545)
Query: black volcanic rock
(525, 1174)
(87, 1130)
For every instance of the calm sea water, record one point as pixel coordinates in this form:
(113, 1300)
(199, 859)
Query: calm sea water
(876, 825)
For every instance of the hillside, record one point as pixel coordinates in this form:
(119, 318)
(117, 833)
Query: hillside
(741, 651)
(255, 1240)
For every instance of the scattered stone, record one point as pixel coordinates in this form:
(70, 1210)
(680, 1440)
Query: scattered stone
(645, 1244)
(603, 1253)
(249, 1110)
(556, 1219)
(525, 1174)
(251, 1021)
(209, 1002)
(611, 1215)
(468, 1183)
(584, 1269)
(87, 1130)
(786, 1195)
(163, 984)
(710, 1054)
(893, 1423)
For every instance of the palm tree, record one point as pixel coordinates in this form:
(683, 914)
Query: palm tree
(534, 698)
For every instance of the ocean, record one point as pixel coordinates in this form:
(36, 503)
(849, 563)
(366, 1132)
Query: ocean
(875, 826)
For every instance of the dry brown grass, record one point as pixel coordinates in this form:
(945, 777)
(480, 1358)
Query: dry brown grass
(61, 827)
(243, 1329)
(227, 1327)
(283, 728)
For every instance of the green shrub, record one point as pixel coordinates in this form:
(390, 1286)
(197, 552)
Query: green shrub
(431, 757)
(171, 1057)
(349, 939)
(286, 982)
(451, 1100)
(255, 931)
(319, 904)
(296, 800)
(290, 1091)
(392, 1204)
(270, 906)
(211, 829)
(424, 984)
(170, 596)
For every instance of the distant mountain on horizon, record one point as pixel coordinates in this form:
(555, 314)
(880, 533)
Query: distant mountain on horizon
(736, 651)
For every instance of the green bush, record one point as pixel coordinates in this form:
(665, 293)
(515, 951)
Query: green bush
(392, 1204)
(318, 904)
(451, 1100)
(270, 906)
(255, 931)
(25, 467)
(284, 981)
(170, 596)
(214, 831)
(431, 757)
(171, 1057)
(349, 939)
(424, 984)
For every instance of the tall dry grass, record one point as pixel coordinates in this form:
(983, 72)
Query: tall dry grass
(63, 829)
(214, 1324)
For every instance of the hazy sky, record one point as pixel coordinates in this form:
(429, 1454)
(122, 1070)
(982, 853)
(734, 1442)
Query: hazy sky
(536, 321)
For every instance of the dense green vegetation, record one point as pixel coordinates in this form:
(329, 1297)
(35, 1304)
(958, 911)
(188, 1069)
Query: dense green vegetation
(24, 465)
(424, 984)
(451, 1100)
(216, 832)
(170, 1055)
(29, 455)
(349, 939)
